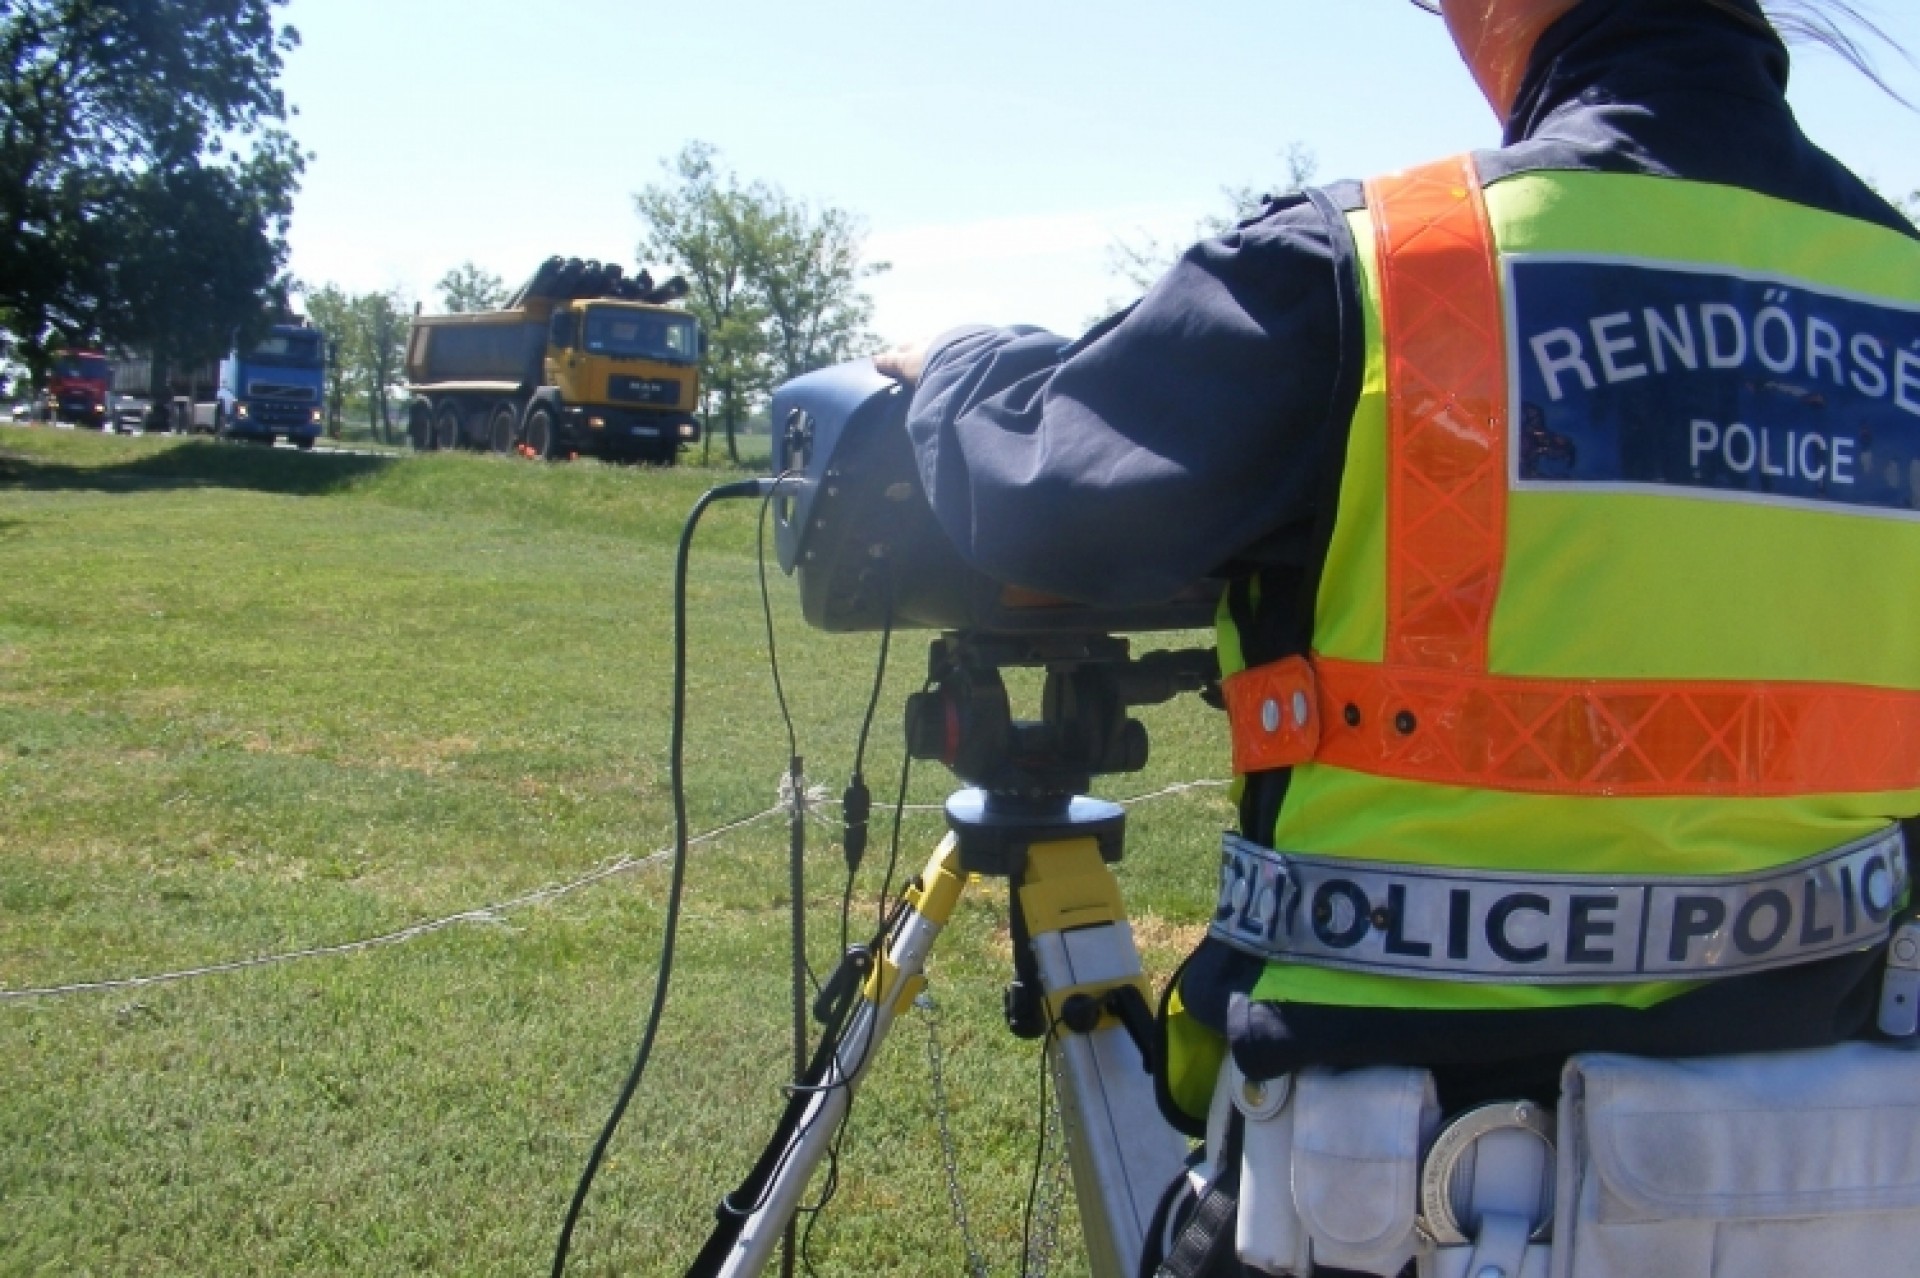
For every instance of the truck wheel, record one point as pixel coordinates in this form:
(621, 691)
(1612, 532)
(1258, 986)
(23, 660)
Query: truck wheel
(446, 425)
(304, 443)
(500, 428)
(542, 432)
(420, 426)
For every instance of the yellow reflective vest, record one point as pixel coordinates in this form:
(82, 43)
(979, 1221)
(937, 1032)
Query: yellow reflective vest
(1625, 576)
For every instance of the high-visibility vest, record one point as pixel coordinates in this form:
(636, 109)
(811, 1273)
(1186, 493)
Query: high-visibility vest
(1625, 575)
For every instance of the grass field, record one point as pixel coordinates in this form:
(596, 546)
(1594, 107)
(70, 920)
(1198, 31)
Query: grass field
(253, 701)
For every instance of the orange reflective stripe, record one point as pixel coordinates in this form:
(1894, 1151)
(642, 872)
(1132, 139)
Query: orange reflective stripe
(1641, 738)
(1446, 413)
(1275, 713)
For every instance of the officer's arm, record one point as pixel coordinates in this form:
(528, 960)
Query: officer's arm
(1171, 438)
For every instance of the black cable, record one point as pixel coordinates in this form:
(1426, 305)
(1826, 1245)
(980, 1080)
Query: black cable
(856, 805)
(846, 909)
(1040, 1151)
(799, 969)
(766, 609)
(824, 1064)
(899, 818)
(663, 978)
(797, 954)
(830, 1188)
(879, 678)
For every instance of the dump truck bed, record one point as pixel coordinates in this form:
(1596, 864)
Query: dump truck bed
(499, 348)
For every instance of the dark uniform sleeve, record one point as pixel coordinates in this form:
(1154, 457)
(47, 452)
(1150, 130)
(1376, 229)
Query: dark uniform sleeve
(1180, 436)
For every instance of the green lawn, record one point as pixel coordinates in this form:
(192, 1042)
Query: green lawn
(253, 701)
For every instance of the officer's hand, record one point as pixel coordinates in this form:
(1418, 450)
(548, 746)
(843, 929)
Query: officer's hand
(903, 363)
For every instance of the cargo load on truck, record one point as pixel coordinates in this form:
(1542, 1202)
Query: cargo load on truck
(583, 360)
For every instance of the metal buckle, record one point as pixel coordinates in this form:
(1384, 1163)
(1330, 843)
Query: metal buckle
(1900, 983)
(1437, 1221)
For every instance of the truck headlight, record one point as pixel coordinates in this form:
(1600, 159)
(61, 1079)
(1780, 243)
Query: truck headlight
(313, 415)
(686, 430)
(239, 410)
(597, 423)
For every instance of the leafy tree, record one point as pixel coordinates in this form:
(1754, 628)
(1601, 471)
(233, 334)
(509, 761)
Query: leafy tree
(181, 283)
(807, 269)
(381, 347)
(467, 288)
(331, 310)
(774, 283)
(1911, 207)
(1144, 259)
(366, 352)
(145, 181)
(703, 221)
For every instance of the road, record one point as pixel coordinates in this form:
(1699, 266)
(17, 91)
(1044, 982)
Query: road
(321, 447)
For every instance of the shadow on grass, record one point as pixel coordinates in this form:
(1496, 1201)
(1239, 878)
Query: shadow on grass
(200, 465)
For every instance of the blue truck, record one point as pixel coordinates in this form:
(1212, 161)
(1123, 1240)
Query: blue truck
(273, 390)
(269, 391)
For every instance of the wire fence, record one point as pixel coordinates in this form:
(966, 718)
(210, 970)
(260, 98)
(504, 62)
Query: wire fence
(487, 914)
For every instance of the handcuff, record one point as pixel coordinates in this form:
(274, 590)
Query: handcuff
(1437, 1221)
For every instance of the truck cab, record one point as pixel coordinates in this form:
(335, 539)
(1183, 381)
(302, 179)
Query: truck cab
(77, 389)
(625, 376)
(274, 389)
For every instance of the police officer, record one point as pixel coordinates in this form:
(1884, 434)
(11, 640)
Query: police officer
(1573, 704)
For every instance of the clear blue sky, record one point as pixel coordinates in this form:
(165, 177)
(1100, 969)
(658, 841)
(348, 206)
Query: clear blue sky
(994, 149)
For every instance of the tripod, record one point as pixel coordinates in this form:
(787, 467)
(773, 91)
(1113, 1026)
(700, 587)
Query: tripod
(1077, 977)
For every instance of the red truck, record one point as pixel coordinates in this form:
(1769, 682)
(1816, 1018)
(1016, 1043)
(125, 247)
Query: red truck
(78, 389)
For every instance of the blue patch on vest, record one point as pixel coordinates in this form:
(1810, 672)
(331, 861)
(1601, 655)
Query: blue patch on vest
(1638, 376)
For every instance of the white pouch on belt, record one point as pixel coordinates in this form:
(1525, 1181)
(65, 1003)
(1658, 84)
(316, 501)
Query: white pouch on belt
(1786, 1165)
(1330, 1169)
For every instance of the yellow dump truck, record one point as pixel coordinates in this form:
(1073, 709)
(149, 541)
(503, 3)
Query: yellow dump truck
(582, 361)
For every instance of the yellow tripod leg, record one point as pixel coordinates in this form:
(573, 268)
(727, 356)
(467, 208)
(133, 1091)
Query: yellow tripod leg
(1122, 1152)
(756, 1215)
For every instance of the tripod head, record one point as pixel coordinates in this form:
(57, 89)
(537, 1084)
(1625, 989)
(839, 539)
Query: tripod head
(966, 722)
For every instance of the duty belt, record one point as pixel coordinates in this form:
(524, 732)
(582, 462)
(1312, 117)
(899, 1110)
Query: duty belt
(1471, 925)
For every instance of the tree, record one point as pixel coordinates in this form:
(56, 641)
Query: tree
(702, 221)
(145, 181)
(1911, 207)
(381, 346)
(807, 269)
(366, 352)
(1141, 261)
(183, 279)
(775, 284)
(467, 288)
(331, 310)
